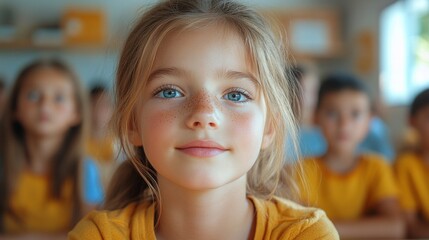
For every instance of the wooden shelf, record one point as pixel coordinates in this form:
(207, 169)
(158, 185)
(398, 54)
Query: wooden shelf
(311, 33)
(29, 46)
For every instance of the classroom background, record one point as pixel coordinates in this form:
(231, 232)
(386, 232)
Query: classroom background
(384, 42)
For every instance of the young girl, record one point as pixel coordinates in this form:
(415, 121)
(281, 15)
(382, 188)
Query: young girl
(43, 131)
(203, 107)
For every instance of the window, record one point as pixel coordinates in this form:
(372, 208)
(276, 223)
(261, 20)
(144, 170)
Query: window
(404, 50)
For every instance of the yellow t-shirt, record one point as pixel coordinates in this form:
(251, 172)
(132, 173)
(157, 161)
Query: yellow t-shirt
(412, 174)
(101, 150)
(36, 209)
(350, 195)
(275, 219)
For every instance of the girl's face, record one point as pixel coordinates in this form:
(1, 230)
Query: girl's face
(46, 103)
(202, 114)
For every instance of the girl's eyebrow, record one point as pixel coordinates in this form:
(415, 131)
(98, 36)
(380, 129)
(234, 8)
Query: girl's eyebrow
(225, 74)
(234, 75)
(166, 71)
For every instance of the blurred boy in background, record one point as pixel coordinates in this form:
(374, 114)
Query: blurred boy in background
(412, 170)
(357, 191)
(312, 141)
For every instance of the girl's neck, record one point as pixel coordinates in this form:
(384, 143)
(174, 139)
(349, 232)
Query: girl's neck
(340, 161)
(223, 213)
(41, 151)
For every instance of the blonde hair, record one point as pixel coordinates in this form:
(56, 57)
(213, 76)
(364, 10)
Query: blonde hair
(66, 164)
(267, 55)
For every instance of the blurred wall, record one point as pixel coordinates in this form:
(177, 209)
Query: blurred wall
(359, 18)
(92, 65)
(363, 16)
(98, 63)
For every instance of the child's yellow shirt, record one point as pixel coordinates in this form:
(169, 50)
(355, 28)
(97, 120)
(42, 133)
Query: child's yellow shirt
(413, 180)
(35, 208)
(101, 150)
(275, 219)
(350, 195)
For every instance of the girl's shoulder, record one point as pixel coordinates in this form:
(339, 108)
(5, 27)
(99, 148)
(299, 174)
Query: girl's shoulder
(280, 218)
(134, 219)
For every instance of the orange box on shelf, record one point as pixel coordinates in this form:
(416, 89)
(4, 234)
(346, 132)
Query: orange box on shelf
(84, 26)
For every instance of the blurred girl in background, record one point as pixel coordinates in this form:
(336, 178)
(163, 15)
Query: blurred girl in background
(46, 185)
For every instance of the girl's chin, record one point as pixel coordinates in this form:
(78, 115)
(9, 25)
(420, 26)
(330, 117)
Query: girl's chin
(207, 182)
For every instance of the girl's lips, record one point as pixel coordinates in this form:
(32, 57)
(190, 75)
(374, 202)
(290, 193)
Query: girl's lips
(44, 118)
(202, 152)
(202, 148)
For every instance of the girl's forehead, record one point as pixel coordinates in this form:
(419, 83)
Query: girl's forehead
(47, 72)
(213, 30)
(216, 41)
(47, 78)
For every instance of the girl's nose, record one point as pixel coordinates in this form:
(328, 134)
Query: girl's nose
(45, 104)
(204, 112)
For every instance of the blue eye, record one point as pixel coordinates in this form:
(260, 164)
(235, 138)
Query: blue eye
(169, 93)
(236, 96)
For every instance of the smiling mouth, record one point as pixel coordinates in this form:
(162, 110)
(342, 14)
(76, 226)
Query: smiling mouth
(43, 118)
(202, 149)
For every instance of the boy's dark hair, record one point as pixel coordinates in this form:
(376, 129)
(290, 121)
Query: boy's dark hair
(339, 82)
(419, 102)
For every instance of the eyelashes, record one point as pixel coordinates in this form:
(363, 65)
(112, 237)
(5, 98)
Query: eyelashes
(237, 95)
(169, 91)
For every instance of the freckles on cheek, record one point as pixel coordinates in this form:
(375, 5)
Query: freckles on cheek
(156, 123)
(249, 128)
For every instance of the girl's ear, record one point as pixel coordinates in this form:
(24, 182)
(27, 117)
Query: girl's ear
(134, 135)
(268, 136)
(135, 138)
